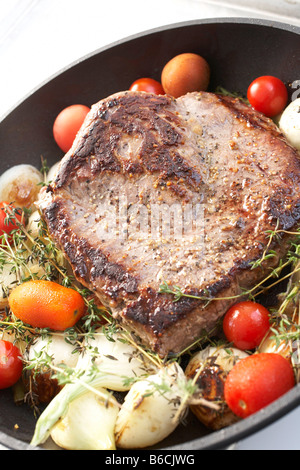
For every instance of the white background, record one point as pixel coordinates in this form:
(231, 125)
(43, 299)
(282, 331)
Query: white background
(39, 37)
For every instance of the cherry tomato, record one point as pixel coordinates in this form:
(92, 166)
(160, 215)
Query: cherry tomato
(256, 381)
(67, 124)
(11, 364)
(46, 304)
(147, 84)
(245, 324)
(8, 213)
(267, 95)
(185, 73)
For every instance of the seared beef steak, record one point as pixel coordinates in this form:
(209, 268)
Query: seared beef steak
(184, 191)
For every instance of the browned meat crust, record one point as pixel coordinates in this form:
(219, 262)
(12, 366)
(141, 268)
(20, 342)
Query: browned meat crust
(205, 157)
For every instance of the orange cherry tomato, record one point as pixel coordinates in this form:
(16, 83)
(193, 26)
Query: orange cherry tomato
(9, 216)
(67, 124)
(46, 304)
(185, 73)
(246, 324)
(147, 84)
(256, 381)
(11, 365)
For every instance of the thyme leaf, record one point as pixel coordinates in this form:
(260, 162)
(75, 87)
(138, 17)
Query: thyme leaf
(177, 292)
(223, 91)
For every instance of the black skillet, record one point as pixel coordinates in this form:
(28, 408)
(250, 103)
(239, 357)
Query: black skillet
(238, 50)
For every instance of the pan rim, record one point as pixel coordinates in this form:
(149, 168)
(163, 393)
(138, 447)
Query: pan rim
(223, 20)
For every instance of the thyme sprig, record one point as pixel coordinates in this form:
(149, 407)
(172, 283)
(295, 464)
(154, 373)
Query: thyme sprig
(286, 331)
(177, 292)
(223, 91)
(64, 375)
(293, 256)
(268, 253)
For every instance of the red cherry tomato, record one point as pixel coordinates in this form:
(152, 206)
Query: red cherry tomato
(147, 84)
(245, 324)
(8, 213)
(11, 364)
(256, 381)
(267, 95)
(67, 124)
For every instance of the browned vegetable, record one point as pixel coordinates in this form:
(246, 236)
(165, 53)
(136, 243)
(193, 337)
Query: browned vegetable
(210, 368)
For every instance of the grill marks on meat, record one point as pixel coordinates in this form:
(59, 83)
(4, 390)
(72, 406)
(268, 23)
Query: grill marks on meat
(110, 135)
(153, 161)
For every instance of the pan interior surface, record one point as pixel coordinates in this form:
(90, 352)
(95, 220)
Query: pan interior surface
(238, 51)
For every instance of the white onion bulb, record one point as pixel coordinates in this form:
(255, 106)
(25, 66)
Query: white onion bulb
(289, 123)
(55, 346)
(88, 424)
(20, 185)
(149, 415)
